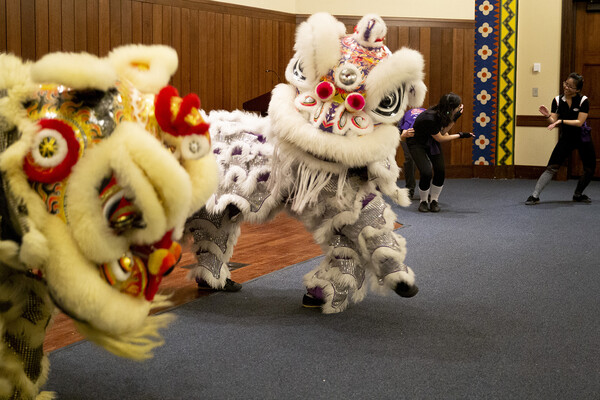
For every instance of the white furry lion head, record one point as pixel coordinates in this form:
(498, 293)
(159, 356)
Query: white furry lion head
(345, 93)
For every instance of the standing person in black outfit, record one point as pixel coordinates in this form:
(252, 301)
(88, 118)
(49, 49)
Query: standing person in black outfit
(431, 128)
(569, 111)
(405, 126)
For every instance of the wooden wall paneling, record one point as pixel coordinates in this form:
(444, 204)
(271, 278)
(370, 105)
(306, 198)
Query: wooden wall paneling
(204, 57)
(3, 26)
(54, 26)
(80, 27)
(114, 26)
(68, 25)
(468, 90)
(28, 29)
(166, 25)
(217, 83)
(424, 40)
(186, 59)
(262, 54)
(234, 60)
(13, 27)
(126, 22)
(147, 23)
(414, 38)
(246, 72)
(212, 57)
(226, 103)
(273, 62)
(136, 22)
(103, 27)
(194, 54)
(92, 27)
(157, 28)
(176, 43)
(41, 27)
(255, 43)
(435, 66)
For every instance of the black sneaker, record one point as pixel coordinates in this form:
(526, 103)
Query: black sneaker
(309, 301)
(411, 193)
(534, 200)
(423, 207)
(434, 206)
(581, 198)
(230, 286)
(403, 289)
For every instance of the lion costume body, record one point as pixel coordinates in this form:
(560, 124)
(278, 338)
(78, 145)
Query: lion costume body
(326, 155)
(100, 167)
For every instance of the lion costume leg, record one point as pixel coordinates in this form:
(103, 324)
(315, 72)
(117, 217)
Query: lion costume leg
(25, 312)
(214, 236)
(361, 244)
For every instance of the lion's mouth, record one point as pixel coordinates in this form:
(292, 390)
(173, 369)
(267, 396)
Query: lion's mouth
(140, 270)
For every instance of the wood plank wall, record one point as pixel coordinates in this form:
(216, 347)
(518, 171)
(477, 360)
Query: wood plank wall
(225, 49)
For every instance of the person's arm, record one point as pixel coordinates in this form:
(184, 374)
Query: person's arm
(551, 117)
(581, 117)
(446, 137)
(406, 133)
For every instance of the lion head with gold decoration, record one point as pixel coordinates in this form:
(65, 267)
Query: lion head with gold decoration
(101, 164)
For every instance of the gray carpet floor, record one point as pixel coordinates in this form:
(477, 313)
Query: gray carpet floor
(508, 309)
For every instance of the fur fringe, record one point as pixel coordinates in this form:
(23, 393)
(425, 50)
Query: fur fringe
(136, 345)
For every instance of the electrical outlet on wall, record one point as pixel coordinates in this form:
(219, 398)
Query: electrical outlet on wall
(534, 92)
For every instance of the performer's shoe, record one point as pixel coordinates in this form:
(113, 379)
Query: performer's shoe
(230, 286)
(309, 301)
(403, 289)
(423, 207)
(411, 193)
(581, 198)
(533, 200)
(434, 206)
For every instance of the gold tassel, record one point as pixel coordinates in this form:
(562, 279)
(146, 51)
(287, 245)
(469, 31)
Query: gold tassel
(136, 345)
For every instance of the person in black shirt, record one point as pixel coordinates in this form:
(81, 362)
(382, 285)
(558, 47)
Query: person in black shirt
(569, 111)
(431, 128)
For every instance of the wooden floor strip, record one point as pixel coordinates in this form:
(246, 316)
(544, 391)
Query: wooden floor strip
(264, 248)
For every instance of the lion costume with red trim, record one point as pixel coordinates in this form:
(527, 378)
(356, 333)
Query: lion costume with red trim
(101, 164)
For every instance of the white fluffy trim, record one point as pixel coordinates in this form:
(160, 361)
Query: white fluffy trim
(77, 287)
(290, 126)
(147, 171)
(77, 71)
(148, 68)
(403, 68)
(318, 44)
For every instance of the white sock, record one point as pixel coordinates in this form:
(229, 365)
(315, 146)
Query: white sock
(424, 194)
(435, 192)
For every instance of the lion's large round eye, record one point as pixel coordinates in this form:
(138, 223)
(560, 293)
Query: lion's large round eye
(389, 106)
(298, 71)
(53, 153)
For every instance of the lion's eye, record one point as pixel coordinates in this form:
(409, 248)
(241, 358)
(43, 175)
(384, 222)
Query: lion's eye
(298, 71)
(390, 104)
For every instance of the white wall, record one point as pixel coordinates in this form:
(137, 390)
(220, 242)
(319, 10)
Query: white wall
(444, 9)
(538, 41)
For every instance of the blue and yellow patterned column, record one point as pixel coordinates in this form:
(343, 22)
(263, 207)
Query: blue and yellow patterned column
(494, 82)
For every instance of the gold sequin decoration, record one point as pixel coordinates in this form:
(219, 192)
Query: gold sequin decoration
(32, 357)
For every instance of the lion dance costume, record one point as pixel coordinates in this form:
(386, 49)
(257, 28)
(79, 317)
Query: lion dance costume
(326, 155)
(100, 167)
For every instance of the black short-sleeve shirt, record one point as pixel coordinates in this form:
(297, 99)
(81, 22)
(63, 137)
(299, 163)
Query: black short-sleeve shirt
(569, 113)
(426, 125)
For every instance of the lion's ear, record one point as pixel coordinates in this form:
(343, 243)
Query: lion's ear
(80, 71)
(148, 68)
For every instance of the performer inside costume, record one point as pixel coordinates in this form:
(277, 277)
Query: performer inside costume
(326, 155)
(95, 193)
